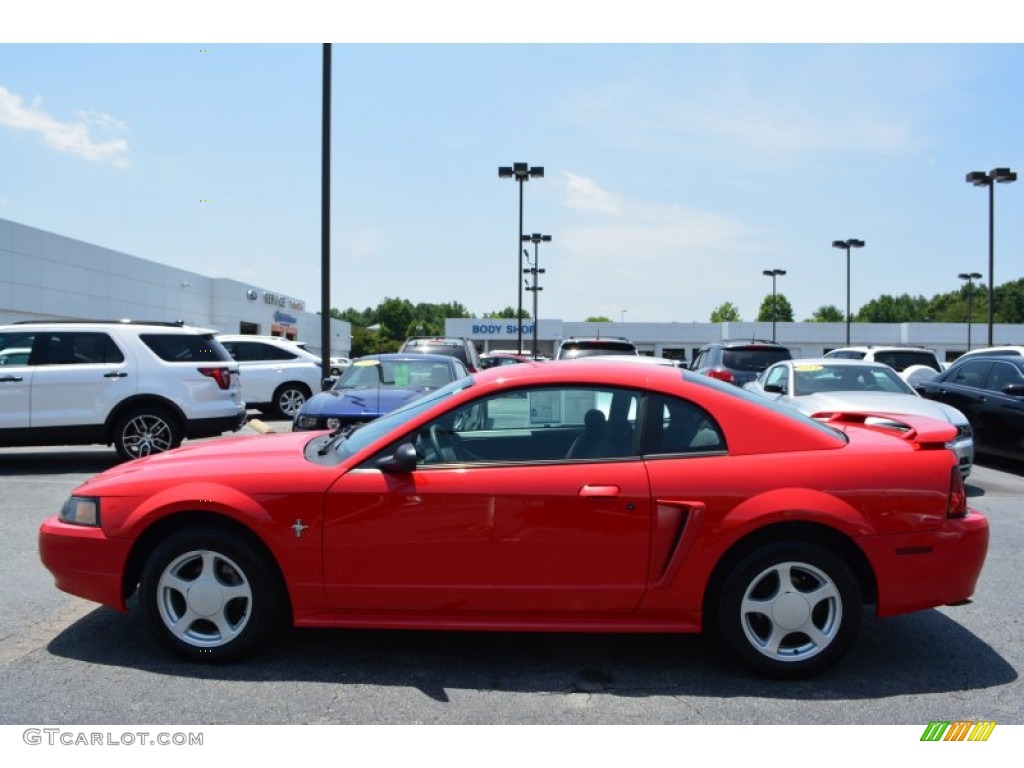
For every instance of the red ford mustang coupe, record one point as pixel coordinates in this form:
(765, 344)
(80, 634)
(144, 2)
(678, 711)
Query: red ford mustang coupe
(542, 497)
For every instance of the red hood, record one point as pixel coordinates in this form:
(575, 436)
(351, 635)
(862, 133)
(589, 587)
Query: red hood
(234, 460)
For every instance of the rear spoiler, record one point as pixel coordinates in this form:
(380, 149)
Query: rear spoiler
(922, 431)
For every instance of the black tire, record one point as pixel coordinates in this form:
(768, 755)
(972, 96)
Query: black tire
(789, 609)
(209, 595)
(289, 399)
(145, 431)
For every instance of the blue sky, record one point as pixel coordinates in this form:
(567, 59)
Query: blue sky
(675, 171)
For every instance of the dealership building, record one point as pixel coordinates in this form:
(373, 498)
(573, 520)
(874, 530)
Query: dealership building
(49, 276)
(46, 276)
(682, 340)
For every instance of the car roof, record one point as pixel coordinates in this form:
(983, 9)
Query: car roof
(833, 361)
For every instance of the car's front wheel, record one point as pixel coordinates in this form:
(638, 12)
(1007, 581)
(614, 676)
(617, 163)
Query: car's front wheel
(209, 595)
(145, 431)
(289, 399)
(789, 609)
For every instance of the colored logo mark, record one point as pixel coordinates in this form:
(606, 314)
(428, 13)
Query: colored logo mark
(958, 730)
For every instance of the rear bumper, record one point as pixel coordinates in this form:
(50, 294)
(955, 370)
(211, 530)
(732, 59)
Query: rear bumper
(916, 571)
(196, 428)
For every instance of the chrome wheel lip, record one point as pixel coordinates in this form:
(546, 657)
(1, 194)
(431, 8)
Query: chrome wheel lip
(791, 612)
(204, 599)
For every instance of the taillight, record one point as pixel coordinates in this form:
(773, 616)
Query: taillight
(717, 373)
(957, 503)
(221, 375)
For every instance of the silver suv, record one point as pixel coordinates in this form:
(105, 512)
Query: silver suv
(141, 387)
(278, 375)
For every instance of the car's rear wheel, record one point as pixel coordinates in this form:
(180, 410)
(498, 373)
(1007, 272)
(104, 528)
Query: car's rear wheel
(289, 399)
(145, 431)
(789, 609)
(209, 595)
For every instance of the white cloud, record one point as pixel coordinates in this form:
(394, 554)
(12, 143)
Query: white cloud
(74, 138)
(584, 194)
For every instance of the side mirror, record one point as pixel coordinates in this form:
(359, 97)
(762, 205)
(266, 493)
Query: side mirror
(779, 389)
(402, 461)
(327, 383)
(1014, 390)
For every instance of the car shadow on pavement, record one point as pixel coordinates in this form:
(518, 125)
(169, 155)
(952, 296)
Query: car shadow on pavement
(922, 653)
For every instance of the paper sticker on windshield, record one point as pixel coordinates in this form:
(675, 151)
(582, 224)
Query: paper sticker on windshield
(808, 367)
(366, 362)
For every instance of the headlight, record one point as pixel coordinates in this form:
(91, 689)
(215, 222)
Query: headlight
(306, 422)
(80, 510)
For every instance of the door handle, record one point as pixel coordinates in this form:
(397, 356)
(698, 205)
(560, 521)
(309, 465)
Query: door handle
(599, 492)
(11, 378)
(115, 375)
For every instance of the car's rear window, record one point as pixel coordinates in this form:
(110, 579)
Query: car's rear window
(574, 349)
(753, 358)
(186, 347)
(902, 360)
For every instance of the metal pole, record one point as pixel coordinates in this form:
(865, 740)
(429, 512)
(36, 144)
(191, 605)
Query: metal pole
(847, 293)
(519, 275)
(325, 221)
(536, 276)
(991, 256)
(775, 308)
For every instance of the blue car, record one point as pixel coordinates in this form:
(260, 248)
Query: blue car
(375, 385)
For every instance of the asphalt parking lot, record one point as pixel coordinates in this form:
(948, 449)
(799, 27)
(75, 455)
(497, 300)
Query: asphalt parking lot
(64, 660)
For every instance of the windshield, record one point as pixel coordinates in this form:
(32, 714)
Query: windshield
(753, 358)
(574, 350)
(395, 374)
(373, 430)
(813, 378)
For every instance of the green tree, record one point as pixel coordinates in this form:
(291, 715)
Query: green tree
(726, 313)
(895, 309)
(827, 313)
(508, 312)
(597, 319)
(783, 309)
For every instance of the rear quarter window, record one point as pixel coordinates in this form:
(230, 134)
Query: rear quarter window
(186, 348)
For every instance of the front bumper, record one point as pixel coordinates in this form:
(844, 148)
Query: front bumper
(84, 562)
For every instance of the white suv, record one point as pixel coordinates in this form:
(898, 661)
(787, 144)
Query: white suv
(278, 375)
(911, 363)
(141, 387)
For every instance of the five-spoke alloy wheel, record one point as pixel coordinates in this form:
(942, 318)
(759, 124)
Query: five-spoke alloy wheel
(209, 595)
(790, 609)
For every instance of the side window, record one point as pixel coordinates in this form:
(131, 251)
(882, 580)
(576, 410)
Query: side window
(677, 426)
(543, 424)
(778, 376)
(73, 348)
(15, 348)
(1001, 375)
(972, 373)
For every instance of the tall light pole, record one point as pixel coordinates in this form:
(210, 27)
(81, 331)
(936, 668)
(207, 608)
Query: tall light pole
(969, 277)
(521, 172)
(848, 244)
(982, 179)
(773, 273)
(536, 238)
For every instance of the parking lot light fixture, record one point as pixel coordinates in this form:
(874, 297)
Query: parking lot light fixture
(520, 172)
(982, 179)
(847, 245)
(536, 238)
(970, 277)
(773, 274)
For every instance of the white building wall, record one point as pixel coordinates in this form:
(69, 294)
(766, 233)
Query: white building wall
(45, 275)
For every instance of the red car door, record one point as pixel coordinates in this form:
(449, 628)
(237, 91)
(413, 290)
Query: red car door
(568, 537)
